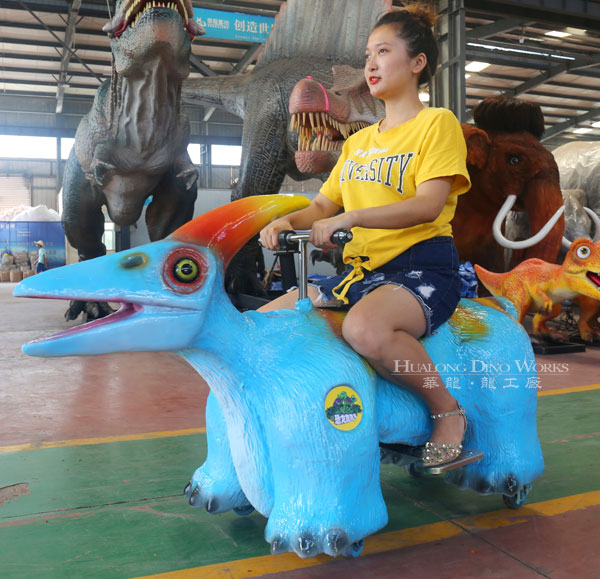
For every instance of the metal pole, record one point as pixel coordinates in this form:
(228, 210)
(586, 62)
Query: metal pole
(303, 281)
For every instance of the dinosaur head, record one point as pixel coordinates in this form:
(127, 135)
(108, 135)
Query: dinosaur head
(143, 30)
(324, 118)
(165, 289)
(582, 266)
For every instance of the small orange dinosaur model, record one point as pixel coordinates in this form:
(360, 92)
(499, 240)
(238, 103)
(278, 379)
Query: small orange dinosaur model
(539, 287)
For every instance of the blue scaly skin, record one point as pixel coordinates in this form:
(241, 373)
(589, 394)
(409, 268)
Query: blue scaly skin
(271, 445)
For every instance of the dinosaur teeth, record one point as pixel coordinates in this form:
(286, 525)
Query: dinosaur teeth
(315, 130)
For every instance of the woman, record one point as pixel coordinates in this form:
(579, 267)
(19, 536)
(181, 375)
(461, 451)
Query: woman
(398, 182)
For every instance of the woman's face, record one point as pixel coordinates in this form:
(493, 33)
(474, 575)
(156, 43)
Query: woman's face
(389, 70)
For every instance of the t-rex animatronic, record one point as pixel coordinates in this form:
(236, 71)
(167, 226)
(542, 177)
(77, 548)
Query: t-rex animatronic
(285, 434)
(133, 142)
(309, 37)
(539, 287)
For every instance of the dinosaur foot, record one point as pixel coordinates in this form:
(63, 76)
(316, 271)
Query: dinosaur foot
(508, 485)
(216, 495)
(335, 542)
(91, 310)
(590, 337)
(551, 336)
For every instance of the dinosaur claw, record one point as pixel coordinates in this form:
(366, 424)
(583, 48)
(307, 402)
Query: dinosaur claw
(187, 491)
(194, 498)
(511, 484)
(306, 546)
(212, 505)
(336, 542)
(355, 549)
(278, 546)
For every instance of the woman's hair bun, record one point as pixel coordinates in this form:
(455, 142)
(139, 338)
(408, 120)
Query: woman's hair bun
(426, 13)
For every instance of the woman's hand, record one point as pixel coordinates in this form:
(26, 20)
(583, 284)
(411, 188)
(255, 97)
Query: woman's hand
(320, 208)
(323, 229)
(269, 236)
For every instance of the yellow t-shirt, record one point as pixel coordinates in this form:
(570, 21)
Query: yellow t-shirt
(378, 169)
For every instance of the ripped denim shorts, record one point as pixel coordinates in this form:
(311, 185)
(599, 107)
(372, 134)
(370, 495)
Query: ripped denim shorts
(428, 270)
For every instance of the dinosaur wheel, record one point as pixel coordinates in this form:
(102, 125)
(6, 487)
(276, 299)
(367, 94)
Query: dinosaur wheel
(518, 500)
(355, 549)
(412, 470)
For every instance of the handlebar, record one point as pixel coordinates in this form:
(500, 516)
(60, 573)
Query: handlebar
(297, 241)
(289, 237)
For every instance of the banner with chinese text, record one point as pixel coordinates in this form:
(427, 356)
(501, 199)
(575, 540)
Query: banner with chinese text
(234, 25)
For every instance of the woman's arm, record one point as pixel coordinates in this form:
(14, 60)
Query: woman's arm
(320, 208)
(425, 207)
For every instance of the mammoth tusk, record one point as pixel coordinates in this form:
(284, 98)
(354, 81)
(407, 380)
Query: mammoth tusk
(595, 220)
(499, 237)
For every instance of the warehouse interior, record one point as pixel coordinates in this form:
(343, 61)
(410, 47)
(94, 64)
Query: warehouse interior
(95, 451)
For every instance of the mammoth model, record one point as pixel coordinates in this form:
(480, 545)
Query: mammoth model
(295, 416)
(510, 170)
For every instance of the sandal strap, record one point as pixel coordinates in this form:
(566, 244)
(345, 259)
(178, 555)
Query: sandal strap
(460, 411)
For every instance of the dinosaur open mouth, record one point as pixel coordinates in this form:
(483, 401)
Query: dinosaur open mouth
(319, 131)
(133, 10)
(593, 277)
(125, 311)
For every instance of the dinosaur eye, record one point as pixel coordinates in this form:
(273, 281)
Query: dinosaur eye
(514, 160)
(184, 270)
(583, 252)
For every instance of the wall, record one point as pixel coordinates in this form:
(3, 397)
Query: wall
(41, 175)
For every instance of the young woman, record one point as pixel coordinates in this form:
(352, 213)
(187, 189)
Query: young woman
(398, 183)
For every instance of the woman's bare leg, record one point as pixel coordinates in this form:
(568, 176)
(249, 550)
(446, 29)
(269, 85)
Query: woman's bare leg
(384, 327)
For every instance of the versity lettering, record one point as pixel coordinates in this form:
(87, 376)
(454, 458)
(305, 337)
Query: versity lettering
(378, 170)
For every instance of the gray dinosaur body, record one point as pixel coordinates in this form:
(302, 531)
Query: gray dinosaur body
(133, 142)
(307, 40)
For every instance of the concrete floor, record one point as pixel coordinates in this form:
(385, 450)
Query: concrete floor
(94, 454)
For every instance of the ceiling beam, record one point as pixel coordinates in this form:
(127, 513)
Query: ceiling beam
(90, 9)
(47, 58)
(25, 7)
(66, 55)
(546, 75)
(502, 25)
(201, 67)
(585, 15)
(561, 127)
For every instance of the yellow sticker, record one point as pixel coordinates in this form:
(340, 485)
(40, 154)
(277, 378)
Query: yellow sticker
(343, 407)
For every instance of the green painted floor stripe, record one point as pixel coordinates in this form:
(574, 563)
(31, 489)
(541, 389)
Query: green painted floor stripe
(99, 440)
(115, 510)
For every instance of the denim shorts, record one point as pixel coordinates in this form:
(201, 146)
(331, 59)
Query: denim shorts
(428, 270)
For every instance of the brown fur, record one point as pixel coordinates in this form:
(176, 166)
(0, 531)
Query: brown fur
(534, 179)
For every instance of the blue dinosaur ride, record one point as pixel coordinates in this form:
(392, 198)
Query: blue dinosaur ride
(290, 400)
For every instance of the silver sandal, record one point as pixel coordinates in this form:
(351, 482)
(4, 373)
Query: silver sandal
(436, 453)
